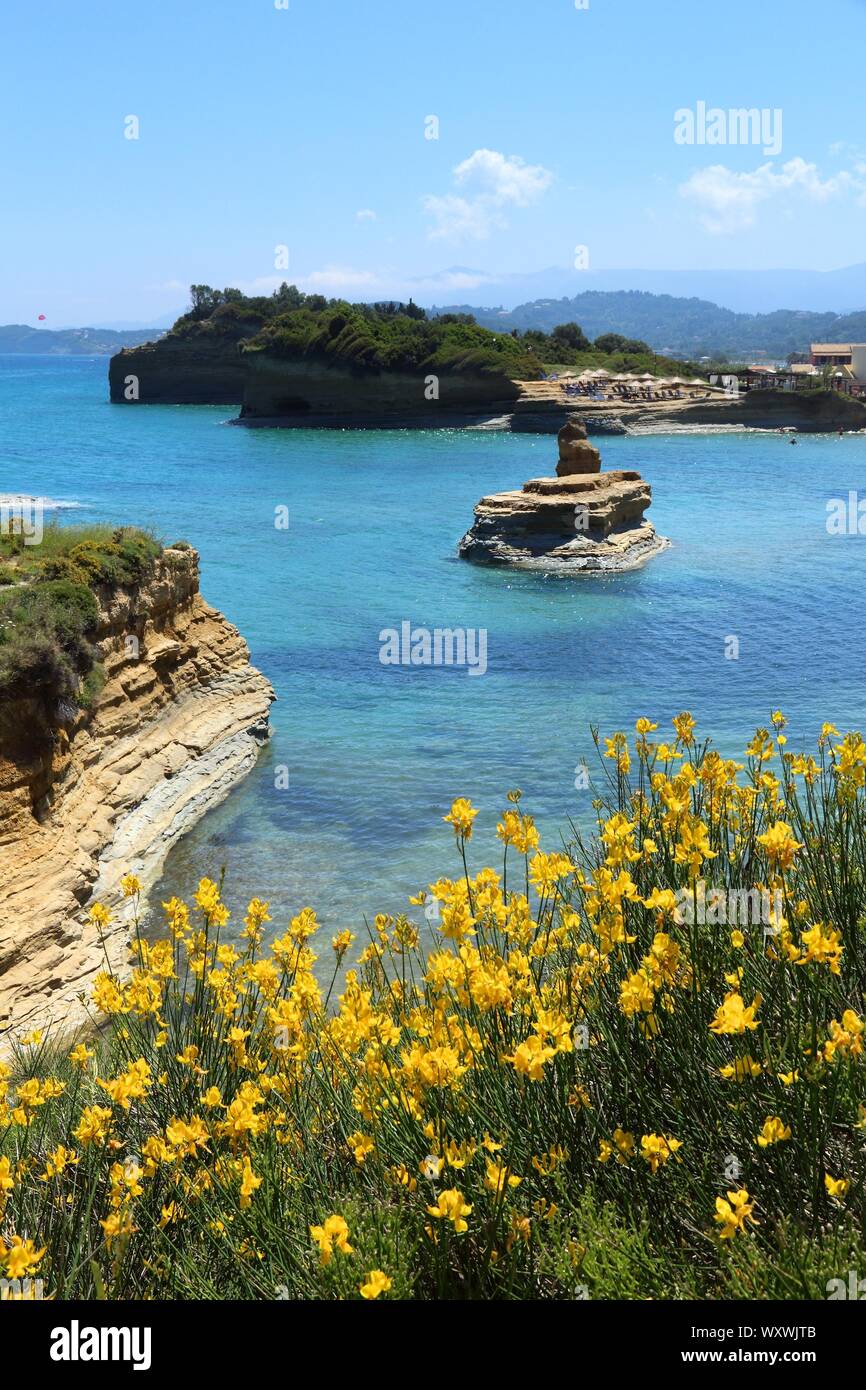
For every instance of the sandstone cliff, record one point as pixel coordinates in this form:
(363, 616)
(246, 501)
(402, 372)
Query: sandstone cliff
(109, 790)
(543, 407)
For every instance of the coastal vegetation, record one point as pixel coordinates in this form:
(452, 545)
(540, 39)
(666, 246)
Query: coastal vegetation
(383, 337)
(673, 325)
(49, 607)
(592, 1084)
(392, 336)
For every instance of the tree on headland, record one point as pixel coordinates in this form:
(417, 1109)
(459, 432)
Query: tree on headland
(203, 300)
(615, 342)
(570, 335)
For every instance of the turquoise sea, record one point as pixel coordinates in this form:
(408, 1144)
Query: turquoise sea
(376, 753)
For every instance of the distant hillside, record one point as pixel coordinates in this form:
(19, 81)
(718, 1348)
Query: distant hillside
(692, 328)
(745, 291)
(72, 342)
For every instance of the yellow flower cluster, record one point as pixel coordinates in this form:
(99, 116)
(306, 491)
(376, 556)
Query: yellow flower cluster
(459, 1083)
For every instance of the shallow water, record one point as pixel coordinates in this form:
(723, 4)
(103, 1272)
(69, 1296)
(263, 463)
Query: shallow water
(376, 753)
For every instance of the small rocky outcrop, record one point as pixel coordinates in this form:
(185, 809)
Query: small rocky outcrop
(576, 454)
(582, 521)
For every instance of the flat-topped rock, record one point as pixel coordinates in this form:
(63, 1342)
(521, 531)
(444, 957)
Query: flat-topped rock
(582, 482)
(581, 521)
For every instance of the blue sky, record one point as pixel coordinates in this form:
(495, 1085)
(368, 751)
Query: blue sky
(262, 127)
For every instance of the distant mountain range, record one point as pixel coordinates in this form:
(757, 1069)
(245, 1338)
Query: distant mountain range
(146, 325)
(745, 291)
(72, 342)
(692, 328)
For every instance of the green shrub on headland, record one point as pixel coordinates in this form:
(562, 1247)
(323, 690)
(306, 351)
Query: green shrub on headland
(392, 336)
(124, 559)
(361, 336)
(49, 611)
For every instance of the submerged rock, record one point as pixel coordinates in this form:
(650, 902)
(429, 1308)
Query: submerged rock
(582, 521)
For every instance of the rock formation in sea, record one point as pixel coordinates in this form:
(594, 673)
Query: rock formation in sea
(582, 521)
(108, 790)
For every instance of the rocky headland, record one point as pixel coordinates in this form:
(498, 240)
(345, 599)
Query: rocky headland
(178, 371)
(292, 360)
(310, 393)
(583, 521)
(543, 407)
(90, 794)
(307, 394)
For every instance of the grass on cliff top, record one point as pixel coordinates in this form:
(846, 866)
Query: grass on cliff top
(49, 610)
(607, 1078)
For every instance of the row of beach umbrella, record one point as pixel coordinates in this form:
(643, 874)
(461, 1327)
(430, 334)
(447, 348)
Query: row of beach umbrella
(602, 374)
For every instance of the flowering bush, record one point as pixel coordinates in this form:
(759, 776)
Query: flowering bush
(601, 1080)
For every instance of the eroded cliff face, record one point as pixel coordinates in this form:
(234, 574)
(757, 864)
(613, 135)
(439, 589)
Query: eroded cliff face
(310, 393)
(108, 791)
(178, 371)
(302, 393)
(543, 408)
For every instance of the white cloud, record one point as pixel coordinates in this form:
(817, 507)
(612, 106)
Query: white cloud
(728, 201)
(454, 280)
(365, 215)
(330, 279)
(337, 278)
(489, 184)
(263, 284)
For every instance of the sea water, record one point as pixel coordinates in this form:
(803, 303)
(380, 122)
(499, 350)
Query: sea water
(343, 811)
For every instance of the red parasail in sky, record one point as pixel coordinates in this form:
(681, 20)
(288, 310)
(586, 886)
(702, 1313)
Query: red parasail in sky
(41, 317)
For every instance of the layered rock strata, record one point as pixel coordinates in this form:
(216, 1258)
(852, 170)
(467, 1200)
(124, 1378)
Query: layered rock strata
(544, 407)
(178, 371)
(107, 791)
(582, 521)
(309, 393)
